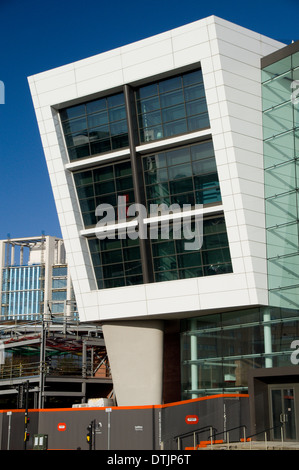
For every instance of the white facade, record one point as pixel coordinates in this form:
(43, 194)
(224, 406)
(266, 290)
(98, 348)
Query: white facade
(229, 56)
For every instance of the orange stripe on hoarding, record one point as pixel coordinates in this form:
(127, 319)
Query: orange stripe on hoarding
(166, 405)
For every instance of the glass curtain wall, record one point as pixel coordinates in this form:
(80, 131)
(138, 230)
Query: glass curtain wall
(103, 185)
(187, 175)
(184, 175)
(172, 106)
(218, 350)
(281, 152)
(95, 127)
(22, 293)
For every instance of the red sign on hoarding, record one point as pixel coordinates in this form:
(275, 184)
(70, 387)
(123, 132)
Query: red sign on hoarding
(61, 426)
(191, 419)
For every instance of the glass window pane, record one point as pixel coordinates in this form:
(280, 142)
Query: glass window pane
(59, 271)
(164, 248)
(116, 100)
(181, 186)
(170, 84)
(280, 179)
(281, 209)
(117, 114)
(148, 90)
(198, 122)
(171, 99)
(278, 68)
(75, 125)
(168, 96)
(277, 91)
(178, 156)
(174, 128)
(59, 283)
(72, 112)
(103, 173)
(194, 92)
(192, 77)
(97, 105)
(148, 105)
(59, 295)
(279, 149)
(179, 171)
(82, 178)
(97, 119)
(100, 146)
(93, 127)
(283, 271)
(114, 256)
(196, 107)
(282, 240)
(278, 120)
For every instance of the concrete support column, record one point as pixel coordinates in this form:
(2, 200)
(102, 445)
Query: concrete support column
(135, 351)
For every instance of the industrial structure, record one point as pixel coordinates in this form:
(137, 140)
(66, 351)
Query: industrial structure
(48, 357)
(202, 116)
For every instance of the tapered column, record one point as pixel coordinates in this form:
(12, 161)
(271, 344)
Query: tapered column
(135, 351)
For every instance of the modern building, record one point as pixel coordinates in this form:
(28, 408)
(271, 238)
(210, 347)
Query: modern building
(35, 279)
(200, 116)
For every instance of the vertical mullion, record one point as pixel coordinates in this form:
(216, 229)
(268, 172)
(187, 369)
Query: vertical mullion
(137, 177)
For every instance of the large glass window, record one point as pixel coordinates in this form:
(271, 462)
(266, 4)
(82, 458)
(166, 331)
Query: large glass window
(172, 106)
(172, 259)
(103, 185)
(116, 262)
(95, 127)
(217, 351)
(186, 175)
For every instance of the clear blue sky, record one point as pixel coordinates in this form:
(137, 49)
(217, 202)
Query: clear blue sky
(37, 35)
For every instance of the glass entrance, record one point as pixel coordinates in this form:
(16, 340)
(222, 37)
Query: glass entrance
(282, 409)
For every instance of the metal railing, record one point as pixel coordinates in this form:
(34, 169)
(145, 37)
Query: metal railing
(14, 371)
(194, 434)
(226, 434)
(265, 432)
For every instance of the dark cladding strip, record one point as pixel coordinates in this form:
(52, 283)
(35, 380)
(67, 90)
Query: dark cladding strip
(280, 54)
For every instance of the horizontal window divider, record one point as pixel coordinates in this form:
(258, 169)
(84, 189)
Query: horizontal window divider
(218, 360)
(149, 220)
(276, 77)
(180, 215)
(280, 164)
(172, 141)
(288, 255)
(286, 224)
(96, 159)
(289, 131)
(243, 325)
(282, 288)
(285, 193)
(109, 228)
(279, 105)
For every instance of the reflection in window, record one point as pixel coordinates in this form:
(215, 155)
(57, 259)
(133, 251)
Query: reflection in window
(226, 346)
(183, 176)
(95, 127)
(103, 185)
(172, 260)
(116, 262)
(173, 106)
